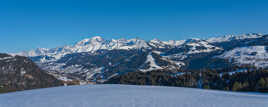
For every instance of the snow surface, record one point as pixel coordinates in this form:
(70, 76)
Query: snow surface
(130, 96)
(96, 43)
(87, 45)
(252, 55)
(162, 44)
(233, 37)
(195, 43)
(151, 61)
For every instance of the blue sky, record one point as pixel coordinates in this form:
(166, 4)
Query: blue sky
(29, 24)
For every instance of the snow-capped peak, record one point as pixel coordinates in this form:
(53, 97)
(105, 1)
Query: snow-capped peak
(96, 43)
(162, 44)
(200, 46)
(193, 40)
(36, 52)
(88, 45)
(127, 44)
(234, 37)
(97, 38)
(174, 42)
(93, 40)
(155, 41)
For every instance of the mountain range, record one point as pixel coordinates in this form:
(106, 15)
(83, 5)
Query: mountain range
(97, 60)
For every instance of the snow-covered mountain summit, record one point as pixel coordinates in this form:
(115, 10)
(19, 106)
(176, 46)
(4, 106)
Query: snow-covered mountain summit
(87, 45)
(156, 43)
(98, 43)
(98, 58)
(227, 38)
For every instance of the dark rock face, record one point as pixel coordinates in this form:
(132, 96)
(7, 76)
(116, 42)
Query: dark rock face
(20, 73)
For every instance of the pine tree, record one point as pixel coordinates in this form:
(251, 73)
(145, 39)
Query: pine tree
(237, 86)
(262, 84)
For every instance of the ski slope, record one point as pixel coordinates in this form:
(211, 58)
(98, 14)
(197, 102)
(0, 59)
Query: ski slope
(130, 96)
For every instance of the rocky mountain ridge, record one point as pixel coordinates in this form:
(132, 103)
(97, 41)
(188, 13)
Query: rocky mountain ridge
(97, 59)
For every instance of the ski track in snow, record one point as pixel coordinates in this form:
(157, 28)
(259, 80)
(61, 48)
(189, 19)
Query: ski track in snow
(151, 61)
(130, 96)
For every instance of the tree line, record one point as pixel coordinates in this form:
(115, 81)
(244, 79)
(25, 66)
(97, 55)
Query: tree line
(252, 80)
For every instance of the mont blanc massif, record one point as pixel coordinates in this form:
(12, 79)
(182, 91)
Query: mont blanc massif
(237, 63)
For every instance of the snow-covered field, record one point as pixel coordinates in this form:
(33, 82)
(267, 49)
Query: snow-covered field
(130, 96)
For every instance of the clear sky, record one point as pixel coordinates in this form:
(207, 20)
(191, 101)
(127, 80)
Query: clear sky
(29, 24)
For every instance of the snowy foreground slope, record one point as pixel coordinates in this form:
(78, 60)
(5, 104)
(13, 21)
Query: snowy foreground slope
(130, 96)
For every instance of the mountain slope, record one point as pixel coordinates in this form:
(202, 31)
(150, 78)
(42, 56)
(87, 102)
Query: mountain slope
(252, 55)
(20, 73)
(96, 59)
(90, 45)
(125, 96)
